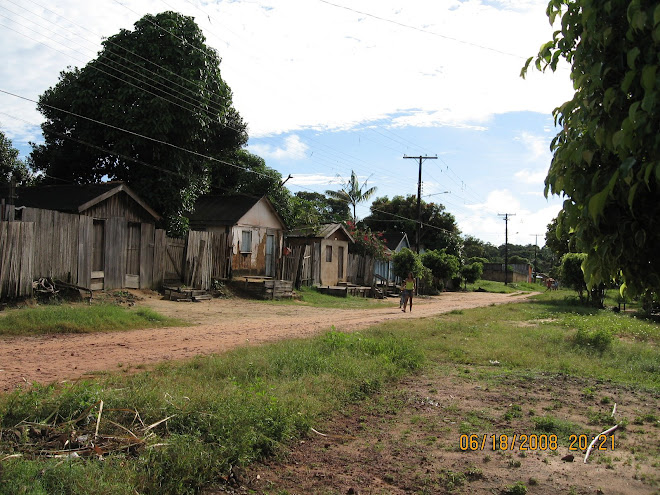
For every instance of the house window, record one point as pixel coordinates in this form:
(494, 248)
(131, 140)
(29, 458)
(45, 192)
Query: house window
(328, 254)
(246, 241)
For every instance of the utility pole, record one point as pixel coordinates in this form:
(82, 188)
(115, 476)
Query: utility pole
(419, 197)
(506, 244)
(536, 246)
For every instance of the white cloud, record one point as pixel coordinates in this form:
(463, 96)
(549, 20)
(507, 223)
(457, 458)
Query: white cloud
(293, 149)
(304, 180)
(537, 146)
(485, 222)
(300, 64)
(531, 176)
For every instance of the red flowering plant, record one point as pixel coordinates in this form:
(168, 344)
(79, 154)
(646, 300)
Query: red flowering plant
(367, 243)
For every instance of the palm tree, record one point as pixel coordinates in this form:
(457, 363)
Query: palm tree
(353, 193)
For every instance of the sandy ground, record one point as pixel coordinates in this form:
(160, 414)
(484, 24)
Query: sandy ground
(218, 325)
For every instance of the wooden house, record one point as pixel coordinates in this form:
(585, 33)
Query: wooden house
(97, 236)
(327, 252)
(394, 242)
(256, 230)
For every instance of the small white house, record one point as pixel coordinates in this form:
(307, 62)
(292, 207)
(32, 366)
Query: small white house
(256, 227)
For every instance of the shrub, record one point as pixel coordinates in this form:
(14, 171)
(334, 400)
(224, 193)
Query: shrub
(406, 261)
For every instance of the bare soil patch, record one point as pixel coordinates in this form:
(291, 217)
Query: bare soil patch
(407, 440)
(217, 326)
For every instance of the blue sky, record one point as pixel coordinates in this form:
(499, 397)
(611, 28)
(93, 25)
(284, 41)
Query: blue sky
(328, 87)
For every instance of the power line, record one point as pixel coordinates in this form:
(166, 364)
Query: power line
(419, 194)
(422, 30)
(506, 243)
(164, 88)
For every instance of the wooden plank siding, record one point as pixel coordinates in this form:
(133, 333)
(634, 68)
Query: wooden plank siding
(360, 270)
(16, 250)
(115, 252)
(208, 257)
(103, 253)
(85, 251)
(160, 254)
(118, 205)
(55, 251)
(147, 246)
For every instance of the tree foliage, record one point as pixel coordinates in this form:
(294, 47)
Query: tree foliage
(443, 266)
(572, 275)
(407, 261)
(472, 272)
(439, 229)
(367, 243)
(557, 238)
(353, 193)
(11, 167)
(607, 155)
(159, 80)
(312, 208)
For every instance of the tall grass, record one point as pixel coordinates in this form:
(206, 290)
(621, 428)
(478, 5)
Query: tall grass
(223, 411)
(80, 319)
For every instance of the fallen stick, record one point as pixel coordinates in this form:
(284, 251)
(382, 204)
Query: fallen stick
(318, 432)
(98, 420)
(593, 442)
(613, 410)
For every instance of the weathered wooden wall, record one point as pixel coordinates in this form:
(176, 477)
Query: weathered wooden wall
(119, 205)
(56, 243)
(60, 246)
(360, 270)
(16, 248)
(208, 257)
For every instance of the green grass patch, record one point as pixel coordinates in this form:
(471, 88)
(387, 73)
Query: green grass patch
(220, 412)
(545, 336)
(80, 319)
(501, 288)
(309, 296)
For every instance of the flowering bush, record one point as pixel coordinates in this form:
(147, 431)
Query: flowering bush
(367, 242)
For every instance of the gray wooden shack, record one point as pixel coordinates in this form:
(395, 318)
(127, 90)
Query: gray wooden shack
(97, 236)
(325, 257)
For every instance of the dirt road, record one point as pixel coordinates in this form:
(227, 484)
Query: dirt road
(218, 325)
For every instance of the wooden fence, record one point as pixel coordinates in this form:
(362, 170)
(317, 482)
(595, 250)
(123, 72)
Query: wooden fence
(208, 257)
(61, 246)
(58, 238)
(360, 270)
(16, 249)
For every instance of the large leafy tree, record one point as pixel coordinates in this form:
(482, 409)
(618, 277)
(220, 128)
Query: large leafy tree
(312, 208)
(558, 238)
(11, 166)
(607, 155)
(247, 173)
(352, 192)
(439, 229)
(161, 81)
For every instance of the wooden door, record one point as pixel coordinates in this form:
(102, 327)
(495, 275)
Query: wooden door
(98, 255)
(132, 279)
(340, 263)
(270, 255)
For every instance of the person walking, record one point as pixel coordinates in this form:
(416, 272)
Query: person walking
(408, 291)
